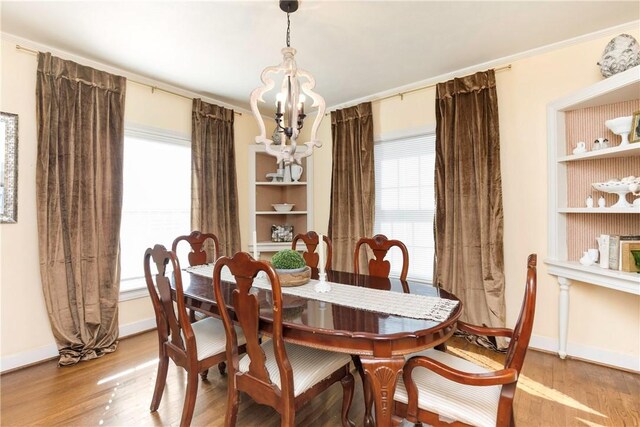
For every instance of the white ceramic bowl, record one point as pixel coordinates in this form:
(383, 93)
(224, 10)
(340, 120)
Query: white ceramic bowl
(620, 126)
(283, 207)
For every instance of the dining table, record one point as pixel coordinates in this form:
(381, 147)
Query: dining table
(380, 340)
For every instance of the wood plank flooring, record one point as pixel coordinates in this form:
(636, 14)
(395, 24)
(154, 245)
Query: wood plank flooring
(116, 390)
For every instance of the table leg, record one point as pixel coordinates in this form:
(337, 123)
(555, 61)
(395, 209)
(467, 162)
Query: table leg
(382, 375)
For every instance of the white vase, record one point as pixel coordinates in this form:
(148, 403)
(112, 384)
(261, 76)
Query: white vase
(296, 172)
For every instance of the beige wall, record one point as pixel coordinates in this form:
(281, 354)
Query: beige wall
(602, 319)
(523, 92)
(23, 320)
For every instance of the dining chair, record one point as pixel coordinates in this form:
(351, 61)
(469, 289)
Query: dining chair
(379, 267)
(311, 240)
(199, 243)
(451, 389)
(380, 245)
(193, 346)
(276, 373)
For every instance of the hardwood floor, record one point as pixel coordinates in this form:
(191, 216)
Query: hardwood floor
(116, 391)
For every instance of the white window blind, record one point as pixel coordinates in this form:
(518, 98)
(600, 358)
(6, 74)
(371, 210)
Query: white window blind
(405, 204)
(156, 204)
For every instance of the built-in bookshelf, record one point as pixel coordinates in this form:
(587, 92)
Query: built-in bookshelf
(573, 227)
(264, 192)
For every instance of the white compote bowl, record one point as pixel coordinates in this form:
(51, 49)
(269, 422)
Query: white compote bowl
(620, 126)
(621, 188)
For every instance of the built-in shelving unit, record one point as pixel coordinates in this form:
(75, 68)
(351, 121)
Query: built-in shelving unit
(573, 227)
(263, 193)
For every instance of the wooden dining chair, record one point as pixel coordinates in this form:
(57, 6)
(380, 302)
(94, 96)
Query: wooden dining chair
(311, 240)
(380, 245)
(379, 267)
(194, 346)
(199, 242)
(282, 375)
(451, 389)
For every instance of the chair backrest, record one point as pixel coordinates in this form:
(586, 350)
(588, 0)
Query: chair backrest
(201, 250)
(172, 320)
(380, 245)
(522, 330)
(311, 240)
(246, 307)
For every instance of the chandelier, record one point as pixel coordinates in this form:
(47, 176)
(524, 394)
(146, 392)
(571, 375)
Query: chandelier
(295, 86)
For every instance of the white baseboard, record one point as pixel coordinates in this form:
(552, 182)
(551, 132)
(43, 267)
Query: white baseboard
(587, 353)
(30, 357)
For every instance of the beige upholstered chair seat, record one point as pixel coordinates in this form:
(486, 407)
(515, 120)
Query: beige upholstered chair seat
(309, 365)
(211, 338)
(473, 405)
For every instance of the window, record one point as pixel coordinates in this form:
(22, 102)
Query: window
(405, 202)
(156, 204)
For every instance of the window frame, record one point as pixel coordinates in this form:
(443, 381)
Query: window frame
(161, 136)
(401, 134)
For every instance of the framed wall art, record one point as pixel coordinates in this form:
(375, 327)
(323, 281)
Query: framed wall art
(8, 168)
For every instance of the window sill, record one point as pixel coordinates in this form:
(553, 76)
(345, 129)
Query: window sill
(133, 289)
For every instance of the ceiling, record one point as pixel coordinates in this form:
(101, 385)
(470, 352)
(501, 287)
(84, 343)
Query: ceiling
(353, 48)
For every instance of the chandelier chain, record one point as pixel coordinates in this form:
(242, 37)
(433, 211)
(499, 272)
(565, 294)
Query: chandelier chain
(288, 31)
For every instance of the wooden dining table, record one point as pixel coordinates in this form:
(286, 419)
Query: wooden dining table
(380, 340)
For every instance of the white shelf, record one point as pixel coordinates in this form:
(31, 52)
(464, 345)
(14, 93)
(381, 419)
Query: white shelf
(281, 184)
(607, 278)
(630, 150)
(270, 246)
(600, 210)
(281, 213)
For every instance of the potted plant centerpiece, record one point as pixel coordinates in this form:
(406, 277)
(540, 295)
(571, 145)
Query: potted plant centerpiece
(291, 268)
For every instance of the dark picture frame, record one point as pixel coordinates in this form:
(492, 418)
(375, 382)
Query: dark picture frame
(8, 168)
(635, 128)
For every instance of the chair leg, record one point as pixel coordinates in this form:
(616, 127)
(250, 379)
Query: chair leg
(347, 397)
(441, 347)
(233, 398)
(190, 398)
(204, 374)
(288, 416)
(366, 391)
(222, 367)
(161, 381)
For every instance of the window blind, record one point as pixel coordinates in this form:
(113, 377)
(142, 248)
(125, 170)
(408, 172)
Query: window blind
(405, 202)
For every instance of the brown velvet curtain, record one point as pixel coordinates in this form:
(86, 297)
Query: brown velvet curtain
(214, 191)
(352, 183)
(80, 117)
(469, 217)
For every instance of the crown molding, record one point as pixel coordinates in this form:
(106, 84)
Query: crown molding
(630, 26)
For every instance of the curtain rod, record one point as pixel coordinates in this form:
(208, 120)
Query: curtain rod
(153, 88)
(402, 94)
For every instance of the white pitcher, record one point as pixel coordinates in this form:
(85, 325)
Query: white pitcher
(296, 172)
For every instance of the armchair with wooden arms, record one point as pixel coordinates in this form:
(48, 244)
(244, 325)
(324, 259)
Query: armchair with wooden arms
(448, 390)
(276, 373)
(311, 241)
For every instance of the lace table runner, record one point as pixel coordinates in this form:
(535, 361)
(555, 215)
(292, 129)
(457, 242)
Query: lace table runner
(395, 303)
